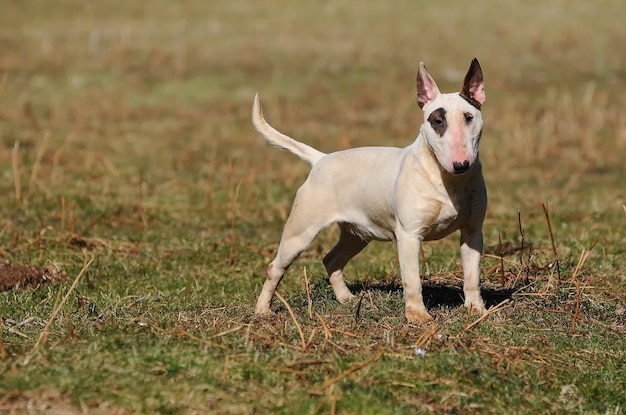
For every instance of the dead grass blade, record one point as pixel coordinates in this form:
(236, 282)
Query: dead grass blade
(44, 333)
(71, 218)
(62, 214)
(41, 148)
(310, 341)
(331, 400)
(523, 237)
(223, 333)
(357, 312)
(293, 317)
(430, 332)
(581, 261)
(393, 268)
(391, 277)
(207, 341)
(502, 277)
(327, 333)
(225, 368)
(141, 215)
(15, 159)
(3, 353)
(556, 255)
(489, 312)
(234, 195)
(308, 294)
(355, 367)
(579, 288)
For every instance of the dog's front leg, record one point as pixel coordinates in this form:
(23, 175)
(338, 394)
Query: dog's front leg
(471, 253)
(408, 255)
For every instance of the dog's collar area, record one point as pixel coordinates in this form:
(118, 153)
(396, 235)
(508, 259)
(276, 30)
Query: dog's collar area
(471, 101)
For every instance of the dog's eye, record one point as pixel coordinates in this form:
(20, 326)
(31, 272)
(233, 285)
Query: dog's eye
(438, 122)
(468, 117)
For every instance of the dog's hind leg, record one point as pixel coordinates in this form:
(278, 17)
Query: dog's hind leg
(348, 246)
(303, 225)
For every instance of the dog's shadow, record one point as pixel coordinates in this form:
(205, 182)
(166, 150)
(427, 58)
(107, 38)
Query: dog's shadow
(437, 295)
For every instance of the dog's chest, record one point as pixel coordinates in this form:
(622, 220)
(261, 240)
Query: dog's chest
(452, 214)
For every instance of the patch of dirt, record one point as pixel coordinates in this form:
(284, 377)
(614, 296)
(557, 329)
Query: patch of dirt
(23, 276)
(50, 402)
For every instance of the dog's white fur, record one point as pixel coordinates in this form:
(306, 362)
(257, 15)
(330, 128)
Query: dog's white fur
(418, 193)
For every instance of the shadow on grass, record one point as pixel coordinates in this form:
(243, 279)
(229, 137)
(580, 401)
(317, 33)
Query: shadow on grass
(438, 295)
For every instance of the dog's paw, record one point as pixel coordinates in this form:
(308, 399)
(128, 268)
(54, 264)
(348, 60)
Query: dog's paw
(346, 297)
(476, 305)
(263, 310)
(418, 316)
(260, 317)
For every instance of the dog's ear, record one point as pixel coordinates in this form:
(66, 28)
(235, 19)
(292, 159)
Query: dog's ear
(426, 87)
(474, 86)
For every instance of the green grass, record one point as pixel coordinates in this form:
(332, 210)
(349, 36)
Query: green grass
(138, 118)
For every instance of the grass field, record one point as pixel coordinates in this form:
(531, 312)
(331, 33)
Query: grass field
(129, 165)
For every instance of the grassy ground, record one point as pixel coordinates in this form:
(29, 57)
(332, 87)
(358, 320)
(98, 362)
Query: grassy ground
(129, 163)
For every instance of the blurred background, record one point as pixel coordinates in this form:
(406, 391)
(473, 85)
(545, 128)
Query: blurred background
(120, 88)
(125, 136)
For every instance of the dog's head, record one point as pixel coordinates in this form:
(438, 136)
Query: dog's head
(452, 122)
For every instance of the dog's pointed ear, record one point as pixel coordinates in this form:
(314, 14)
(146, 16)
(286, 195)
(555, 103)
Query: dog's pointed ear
(473, 85)
(426, 87)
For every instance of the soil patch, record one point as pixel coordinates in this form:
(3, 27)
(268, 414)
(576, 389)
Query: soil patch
(51, 402)
(23, 276)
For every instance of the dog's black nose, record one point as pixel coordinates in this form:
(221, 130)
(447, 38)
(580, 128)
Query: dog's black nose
(460, 167)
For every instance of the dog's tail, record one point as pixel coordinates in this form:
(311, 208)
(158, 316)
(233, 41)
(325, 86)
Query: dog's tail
(275, 137)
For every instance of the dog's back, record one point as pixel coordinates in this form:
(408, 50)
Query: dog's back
(357, 188)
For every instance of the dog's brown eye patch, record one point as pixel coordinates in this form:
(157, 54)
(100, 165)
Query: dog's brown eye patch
(437, 120)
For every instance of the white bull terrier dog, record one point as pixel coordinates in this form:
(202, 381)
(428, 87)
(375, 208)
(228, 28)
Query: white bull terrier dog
(409, 195)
